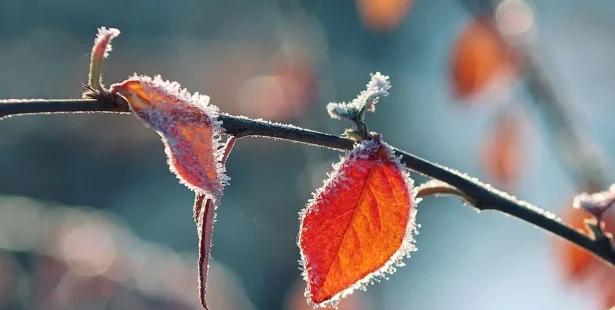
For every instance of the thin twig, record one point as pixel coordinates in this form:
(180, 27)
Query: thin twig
(435, 187)
(482, 195)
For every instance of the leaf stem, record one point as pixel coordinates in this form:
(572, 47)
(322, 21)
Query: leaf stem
(482, 195)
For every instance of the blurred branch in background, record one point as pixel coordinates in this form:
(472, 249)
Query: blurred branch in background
(580, 156)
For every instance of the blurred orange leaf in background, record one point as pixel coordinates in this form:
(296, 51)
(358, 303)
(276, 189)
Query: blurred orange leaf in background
(575, 260)
(480, 58)
(358, 225)
(284, 93)
(383, 14)
(502, 151)
(581, 266)
(608, 290)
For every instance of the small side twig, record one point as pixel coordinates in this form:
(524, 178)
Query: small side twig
(437, 187)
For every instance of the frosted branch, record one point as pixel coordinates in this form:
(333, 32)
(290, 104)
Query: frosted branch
(482, 195)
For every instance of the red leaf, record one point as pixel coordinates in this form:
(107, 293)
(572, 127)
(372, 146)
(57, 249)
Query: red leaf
(577, 262)
(359, 225)
(296, 301)
(479, 58)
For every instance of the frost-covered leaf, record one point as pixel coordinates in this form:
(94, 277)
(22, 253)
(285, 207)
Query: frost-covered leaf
(378, 86)
(190, 132)
(188, 126)
(359, 225)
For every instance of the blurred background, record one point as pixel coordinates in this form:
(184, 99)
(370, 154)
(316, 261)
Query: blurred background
(91, 217)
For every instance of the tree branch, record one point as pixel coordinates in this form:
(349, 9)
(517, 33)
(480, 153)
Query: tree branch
(483, 195)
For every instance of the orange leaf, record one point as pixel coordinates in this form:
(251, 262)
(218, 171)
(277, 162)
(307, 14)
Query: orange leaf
(582, 266)
(359, 225)
(383, 14)
(576, 261)
(188, 127)
(502, 151)
(479, 58)
(607, 288)
(191, 135)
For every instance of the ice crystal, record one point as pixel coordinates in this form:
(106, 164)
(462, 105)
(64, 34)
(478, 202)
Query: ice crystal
(100, 50)
(596, 203)
(103, 40)
(378, 86)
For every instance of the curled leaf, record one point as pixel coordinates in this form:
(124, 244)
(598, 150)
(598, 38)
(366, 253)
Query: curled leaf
(191, 135)
(359, 225)
(204, 216)
(188, 126)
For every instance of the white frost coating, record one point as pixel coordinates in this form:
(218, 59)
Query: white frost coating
(501, 194)
(105, 36)
(596, 203)
(175, 101)
(336, 179)
(379, 85)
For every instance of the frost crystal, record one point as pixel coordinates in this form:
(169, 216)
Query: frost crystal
(596, 203)
(100, 50)
(103, 38)
(188, 126)
(378, 86)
